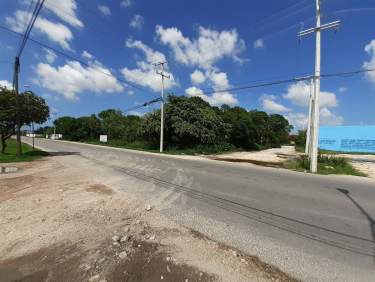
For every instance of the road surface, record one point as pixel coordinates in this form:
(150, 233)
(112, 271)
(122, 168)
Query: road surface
(316, 228)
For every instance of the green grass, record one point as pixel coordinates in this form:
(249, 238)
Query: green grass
(141, 146)
(27, 156)
(327, 164)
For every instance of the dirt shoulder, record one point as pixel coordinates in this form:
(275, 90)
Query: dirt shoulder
(59, 224)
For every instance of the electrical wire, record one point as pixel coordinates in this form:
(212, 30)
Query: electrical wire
(36, 12)
(77, 60)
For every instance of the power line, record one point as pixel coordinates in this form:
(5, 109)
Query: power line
(145, 104)
(26, 35)
(77, 60)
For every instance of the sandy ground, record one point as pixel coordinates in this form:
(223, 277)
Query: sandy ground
(274, 156)
(58, 223)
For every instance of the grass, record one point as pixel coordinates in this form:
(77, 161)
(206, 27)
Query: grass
(327, 164)
(27, 156)
(141, 146)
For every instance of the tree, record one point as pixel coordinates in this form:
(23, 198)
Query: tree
(66, 126)
(189, 122)
(112, 122)
(261, 124)
(7, 116)
(242, 129)
(31, 109)
(279, 130)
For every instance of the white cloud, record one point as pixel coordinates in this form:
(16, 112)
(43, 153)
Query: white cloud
(197, 77)
(7, 84)
(73, 78)
(137, 22)
(126, 3)
(259, 44)
(215, 99)
(269, 104)
(105, 10)
(329, 118)
(145, 74)
(50, 56)
(65, 10)
(130, 92)
(55, 32)
(298, 120)
(87, 55)
(342, 89)
(370, 49)
(204, 51)
(299, 93)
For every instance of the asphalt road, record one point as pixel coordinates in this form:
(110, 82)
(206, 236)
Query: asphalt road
(316, 228)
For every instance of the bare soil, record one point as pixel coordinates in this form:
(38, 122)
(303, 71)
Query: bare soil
(57, 223)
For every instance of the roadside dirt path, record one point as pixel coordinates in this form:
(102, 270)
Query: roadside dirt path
(58, 223)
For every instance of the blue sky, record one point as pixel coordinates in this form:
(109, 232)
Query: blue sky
(209, 45)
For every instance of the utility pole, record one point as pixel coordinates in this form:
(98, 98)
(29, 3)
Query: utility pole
(308, 131)
(314, 127)
(163, 76)
(16, 91)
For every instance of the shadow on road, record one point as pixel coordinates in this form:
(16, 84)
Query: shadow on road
(364, 212)
(63, 153)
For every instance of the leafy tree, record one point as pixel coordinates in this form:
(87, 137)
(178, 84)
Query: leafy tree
(279, 129)
(189, 122)
(7, 116)
(112, 123)
(261, 123)
(31, 108)
(242, 129)
(66, 126)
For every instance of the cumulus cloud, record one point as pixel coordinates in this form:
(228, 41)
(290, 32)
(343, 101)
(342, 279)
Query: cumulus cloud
(259, 44)
(269, 104)
(105, 10)
(215, 99)
(137, 22)
(298, 120)
(87, 55)
(299, 94)
(73, 78)
(144, 74)
(329, 118)
(7, 84)
(126, 3)
(66, 10)
(50, 56)
(370, 49)
(204, 51)
(55, 32)
(197, 77)
(342, 89)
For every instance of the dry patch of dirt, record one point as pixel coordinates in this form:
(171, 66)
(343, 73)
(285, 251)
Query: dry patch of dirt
(57, 224)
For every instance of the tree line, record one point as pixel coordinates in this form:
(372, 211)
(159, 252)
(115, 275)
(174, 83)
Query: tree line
(190, 123)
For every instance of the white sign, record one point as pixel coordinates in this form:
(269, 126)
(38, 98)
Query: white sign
(103, 138)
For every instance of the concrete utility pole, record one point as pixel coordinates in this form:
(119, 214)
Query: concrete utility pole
(308, 132)
(314, 127)
(163, 76)
(16, 91)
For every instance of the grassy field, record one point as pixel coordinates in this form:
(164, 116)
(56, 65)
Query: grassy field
(327, 164)
(27, 156)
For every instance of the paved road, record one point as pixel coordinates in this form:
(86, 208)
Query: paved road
(317, 228)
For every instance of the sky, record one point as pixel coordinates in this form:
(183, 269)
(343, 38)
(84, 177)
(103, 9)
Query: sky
(210, 45)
